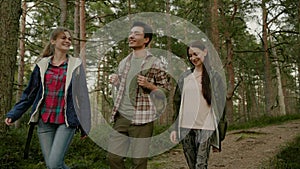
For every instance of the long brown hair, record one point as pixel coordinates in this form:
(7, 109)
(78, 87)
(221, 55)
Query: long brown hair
(49, 48)
(206, 88)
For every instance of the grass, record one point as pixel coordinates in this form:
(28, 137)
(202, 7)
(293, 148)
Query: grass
(86, 154)
(264, 121)
(81, 155)
(288, 157)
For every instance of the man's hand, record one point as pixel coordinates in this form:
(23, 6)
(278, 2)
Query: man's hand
(173, 137)
(142, 81)
(114, 79)
(215, 150)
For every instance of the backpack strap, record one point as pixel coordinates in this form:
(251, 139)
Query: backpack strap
(29, 137)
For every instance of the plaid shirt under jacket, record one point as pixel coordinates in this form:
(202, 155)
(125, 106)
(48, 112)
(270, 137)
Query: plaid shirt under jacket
(54, 102)
(155, 72)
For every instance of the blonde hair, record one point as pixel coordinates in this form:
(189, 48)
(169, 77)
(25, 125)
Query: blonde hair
(49, 48)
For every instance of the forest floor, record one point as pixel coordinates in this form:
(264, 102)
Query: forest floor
(242, 149)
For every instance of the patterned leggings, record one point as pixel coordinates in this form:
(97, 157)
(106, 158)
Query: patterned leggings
(196, 147)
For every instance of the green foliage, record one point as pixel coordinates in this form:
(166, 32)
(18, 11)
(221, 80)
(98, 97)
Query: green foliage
(85, 153)
(11, 153)
(247, 61)
(264, 121)
(82, 154)
(288, 157)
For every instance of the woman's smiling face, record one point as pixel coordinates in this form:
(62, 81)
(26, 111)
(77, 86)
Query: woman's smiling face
(63, 41)
(197, 56)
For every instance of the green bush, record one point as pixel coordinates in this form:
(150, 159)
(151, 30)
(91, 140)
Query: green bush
(289, 157)
(82, 154)
(264, 121)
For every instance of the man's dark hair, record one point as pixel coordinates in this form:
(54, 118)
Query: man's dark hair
(148, 32)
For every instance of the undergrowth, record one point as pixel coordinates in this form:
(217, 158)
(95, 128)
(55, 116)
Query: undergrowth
(82, 154)
(85, 153)
(288, 157)
(263, 121)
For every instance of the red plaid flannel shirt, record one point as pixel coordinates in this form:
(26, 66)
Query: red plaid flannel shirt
(54, 99)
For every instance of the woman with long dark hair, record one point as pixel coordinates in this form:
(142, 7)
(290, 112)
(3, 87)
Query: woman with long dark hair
(196, 120)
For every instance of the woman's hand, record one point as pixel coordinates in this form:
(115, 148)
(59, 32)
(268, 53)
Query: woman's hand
(8, 121)
(173, 137)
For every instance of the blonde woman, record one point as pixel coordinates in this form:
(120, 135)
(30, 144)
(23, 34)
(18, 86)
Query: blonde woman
(57, 80)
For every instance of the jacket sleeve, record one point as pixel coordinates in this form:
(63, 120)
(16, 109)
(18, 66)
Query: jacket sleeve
(81, 99)
(28, 96)
(176, 105)
(219, 105)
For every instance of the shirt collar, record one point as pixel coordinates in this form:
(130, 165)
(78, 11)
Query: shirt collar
(64, 63)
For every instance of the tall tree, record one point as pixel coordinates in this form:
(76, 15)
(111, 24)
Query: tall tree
(298, 58)
(22, 56)
(63, 12)
(282, 110)
(76, 28)
(10, 12)
(227, 22)
(82, 32)
(267, 64)
(214, 27)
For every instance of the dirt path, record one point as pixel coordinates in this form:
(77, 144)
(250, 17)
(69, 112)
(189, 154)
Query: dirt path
(245, 149)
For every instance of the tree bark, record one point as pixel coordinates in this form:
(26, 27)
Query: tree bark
(10, 12)
(22, 56)
(229, 65)
(231, 75)
(76, 29)
(267, 64)
(282, 110)
(298, 58)
(63, 12)
(214, 25)
(82, 32)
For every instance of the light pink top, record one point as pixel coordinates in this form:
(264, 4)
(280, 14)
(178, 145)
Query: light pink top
(196, 113)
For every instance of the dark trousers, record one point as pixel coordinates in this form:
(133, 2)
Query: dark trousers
(129, 140)
(196, 147)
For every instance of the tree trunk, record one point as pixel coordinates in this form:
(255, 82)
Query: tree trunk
(243, 98)
(214, 25)
(254, 106)
(22, 56)
(298, 58)
(82, 32)
(10, 12)
(229, 66)
(291, 101)
(63, 12)
(207, 18)
(129, 7)
(279, 84)
(298, 82)
(166, 117)
(76, 29)
(230, 72)
(267, 65)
